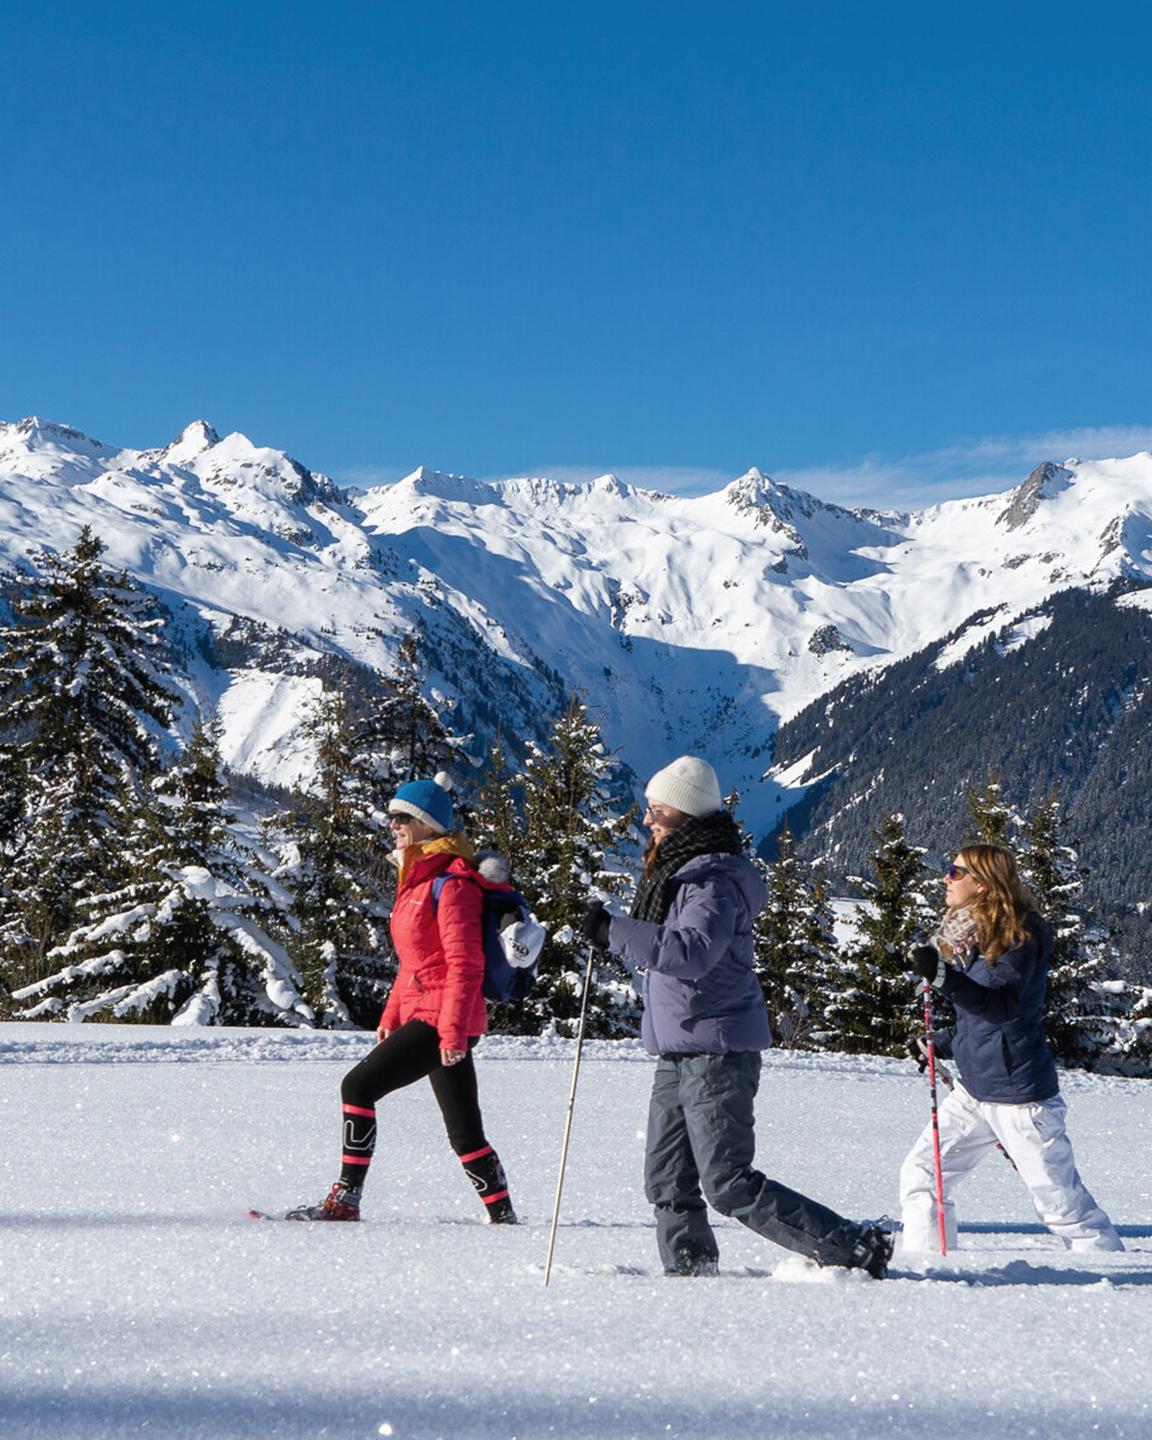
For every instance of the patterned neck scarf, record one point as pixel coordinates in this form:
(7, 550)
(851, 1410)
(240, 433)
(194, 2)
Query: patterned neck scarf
(957, 934)
(715, 834)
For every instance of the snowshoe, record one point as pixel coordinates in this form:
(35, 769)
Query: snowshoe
(341, 1203)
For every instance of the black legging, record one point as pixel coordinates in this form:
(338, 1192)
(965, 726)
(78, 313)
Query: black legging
(407, 1055)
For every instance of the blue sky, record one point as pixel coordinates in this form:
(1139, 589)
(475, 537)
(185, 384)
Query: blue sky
(891, 252)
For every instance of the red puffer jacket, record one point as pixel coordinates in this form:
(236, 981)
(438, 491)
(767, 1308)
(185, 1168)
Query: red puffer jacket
(441, 950)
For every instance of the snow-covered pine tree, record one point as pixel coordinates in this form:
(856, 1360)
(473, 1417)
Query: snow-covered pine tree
(182, 937)
(1116, 1025)
(342, 884)
(496, 820)
(1130, 1050)
(497, 824)
(876, 1007)
(60, 852)
(561, 864)
(795, 944)
(84, 695)
(994, 822)
(222, 874)
(405, 732)
(1051, 871)
(396, 733)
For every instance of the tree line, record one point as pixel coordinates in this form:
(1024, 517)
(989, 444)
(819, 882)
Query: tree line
(853, 993)
(1068, 711)
(133, 887)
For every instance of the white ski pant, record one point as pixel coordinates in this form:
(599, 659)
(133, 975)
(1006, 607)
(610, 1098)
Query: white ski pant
(1034, 1137)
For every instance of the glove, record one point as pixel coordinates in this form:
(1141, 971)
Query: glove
(915, 1050)
(925, 961)
(595, 924)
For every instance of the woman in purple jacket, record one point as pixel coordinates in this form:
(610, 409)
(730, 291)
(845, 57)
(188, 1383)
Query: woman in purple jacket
(690, 935)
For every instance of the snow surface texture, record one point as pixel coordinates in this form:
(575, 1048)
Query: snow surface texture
(137, 1299)
(692, 624)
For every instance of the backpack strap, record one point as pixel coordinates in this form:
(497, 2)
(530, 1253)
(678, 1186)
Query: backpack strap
(438, 884)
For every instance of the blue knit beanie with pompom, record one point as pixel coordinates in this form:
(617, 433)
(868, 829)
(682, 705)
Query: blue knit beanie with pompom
(427, 800)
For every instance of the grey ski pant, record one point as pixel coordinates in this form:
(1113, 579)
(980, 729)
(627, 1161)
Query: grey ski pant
(701, 1145)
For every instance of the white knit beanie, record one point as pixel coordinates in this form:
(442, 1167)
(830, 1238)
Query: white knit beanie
(688, 784)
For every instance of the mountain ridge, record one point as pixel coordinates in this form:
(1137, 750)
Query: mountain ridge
(691, 623)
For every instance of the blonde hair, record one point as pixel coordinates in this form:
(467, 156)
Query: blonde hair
(1001, 909)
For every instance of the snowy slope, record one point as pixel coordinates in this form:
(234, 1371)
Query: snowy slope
(692, 624)
(135, 1299)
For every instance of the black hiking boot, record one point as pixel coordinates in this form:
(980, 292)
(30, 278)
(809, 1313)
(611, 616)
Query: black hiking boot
(872, 1251)
(500, 1212)
(687, 1261)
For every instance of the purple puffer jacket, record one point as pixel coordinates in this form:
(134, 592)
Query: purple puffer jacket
(700, 993)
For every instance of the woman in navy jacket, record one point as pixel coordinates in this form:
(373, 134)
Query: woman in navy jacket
(690, 935)
(991, 960)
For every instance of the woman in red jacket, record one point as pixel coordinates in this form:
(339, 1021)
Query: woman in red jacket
(435, 1011)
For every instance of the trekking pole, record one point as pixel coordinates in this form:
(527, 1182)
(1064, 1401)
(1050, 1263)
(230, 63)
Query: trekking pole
(931, 1049)
(571, 1105)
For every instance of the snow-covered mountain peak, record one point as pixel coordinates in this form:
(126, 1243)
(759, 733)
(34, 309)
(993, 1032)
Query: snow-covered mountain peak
(807, 527)
(235, 461)
(441, 485)
(1095, 516)
(1044, 482)
(775, 505)
(537, 491)
(36, 435)
(758, 498)
(611, 485)
(751, 491)
(192, 441)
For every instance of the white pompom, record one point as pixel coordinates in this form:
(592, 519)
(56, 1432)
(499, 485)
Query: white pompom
(444, 780)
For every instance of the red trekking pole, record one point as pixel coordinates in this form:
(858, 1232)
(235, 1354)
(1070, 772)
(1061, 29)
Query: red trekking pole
(931, 1049)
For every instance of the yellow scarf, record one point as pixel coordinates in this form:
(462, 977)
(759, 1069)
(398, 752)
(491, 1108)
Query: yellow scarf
(454, 844)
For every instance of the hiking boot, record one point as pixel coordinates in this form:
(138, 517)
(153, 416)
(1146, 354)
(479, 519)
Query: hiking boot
(341, 1203)
(872, 1251)
(686, 1261)
(500, 1212)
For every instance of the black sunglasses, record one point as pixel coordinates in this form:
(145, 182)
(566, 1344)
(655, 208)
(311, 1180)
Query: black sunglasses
(953, 872)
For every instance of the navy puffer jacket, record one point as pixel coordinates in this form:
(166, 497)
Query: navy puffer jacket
(701, 994)
(998, 1040)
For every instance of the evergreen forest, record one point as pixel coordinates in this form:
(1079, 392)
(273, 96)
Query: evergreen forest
(141, 882)
(1066, 716)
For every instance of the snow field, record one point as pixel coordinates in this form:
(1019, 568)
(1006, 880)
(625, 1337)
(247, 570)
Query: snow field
(136, 1299)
